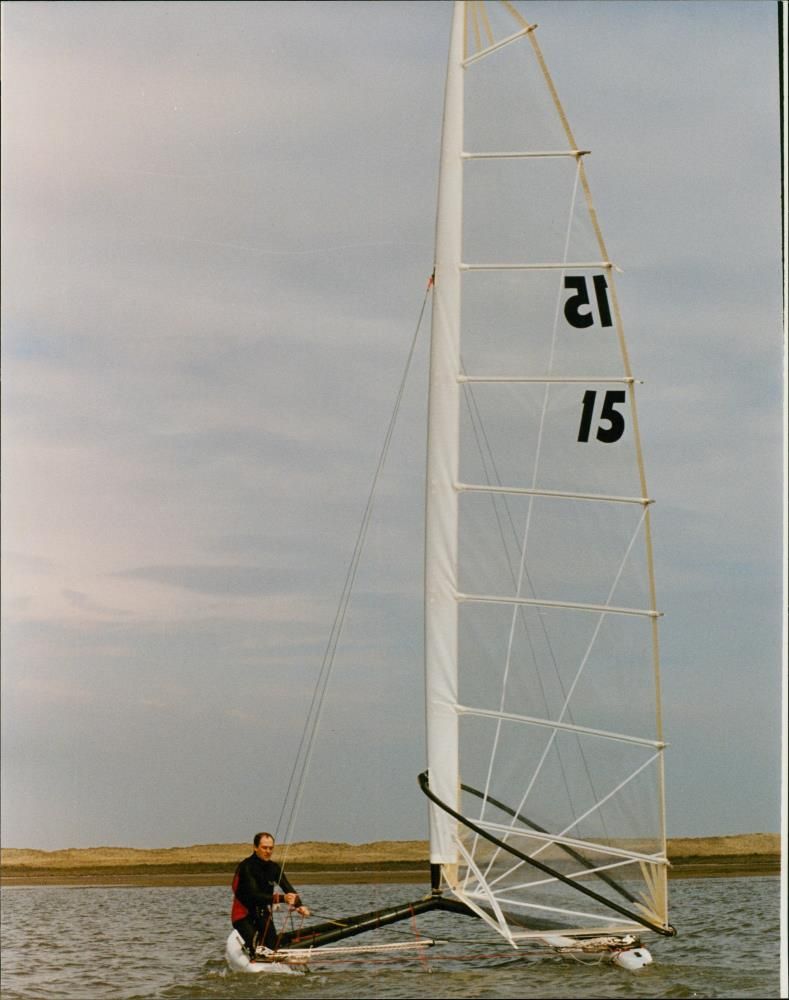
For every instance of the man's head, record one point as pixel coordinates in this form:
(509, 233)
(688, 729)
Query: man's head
(264, 845)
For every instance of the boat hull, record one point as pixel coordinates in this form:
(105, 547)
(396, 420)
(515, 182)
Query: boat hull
(239, 961)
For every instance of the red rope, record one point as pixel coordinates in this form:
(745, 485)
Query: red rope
(422, 955)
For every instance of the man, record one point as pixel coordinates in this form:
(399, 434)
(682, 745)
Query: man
(254, 893)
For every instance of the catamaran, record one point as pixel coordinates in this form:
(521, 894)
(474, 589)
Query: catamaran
(544, 778)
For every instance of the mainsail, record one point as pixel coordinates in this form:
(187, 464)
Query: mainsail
(545, 743)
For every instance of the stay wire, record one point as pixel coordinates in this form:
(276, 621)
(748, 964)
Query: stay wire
(303, 757)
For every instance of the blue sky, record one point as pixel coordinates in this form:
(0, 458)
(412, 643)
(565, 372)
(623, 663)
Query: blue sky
(217, 226)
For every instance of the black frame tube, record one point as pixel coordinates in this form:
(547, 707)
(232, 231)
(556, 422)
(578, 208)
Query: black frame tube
(337, 930)
(667, 931)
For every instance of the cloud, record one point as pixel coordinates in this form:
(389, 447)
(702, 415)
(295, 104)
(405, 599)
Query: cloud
(215, 579)
(82, 602)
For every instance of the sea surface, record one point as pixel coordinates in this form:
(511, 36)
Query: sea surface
(133, 943)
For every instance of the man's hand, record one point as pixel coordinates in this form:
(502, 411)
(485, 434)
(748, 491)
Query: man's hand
(291, 898)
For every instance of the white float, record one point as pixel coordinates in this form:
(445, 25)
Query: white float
(632, 959)
(239, 961)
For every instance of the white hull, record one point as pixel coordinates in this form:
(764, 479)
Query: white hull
(239, 961)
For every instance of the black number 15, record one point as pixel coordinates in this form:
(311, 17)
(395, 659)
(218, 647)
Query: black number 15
(608, 413)
(580, 300)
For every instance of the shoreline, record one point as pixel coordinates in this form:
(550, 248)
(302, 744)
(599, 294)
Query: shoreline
(746, 855)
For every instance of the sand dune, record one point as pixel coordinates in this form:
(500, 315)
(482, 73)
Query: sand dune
(317, 852)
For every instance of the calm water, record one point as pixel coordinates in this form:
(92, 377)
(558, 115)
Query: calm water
(129, 944)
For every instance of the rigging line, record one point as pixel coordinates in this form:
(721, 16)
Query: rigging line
(530, 508)
(306, 745)
(485, 892)
(476, 421)
(585, 660)
(319, 693)
(573, 875)
(614, 791)
(486, 454)
(568, 696)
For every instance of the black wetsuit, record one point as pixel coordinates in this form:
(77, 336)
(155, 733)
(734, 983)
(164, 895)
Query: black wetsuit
(254, 885)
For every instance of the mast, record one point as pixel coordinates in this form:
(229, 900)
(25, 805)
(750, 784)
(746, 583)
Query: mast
(441, 518)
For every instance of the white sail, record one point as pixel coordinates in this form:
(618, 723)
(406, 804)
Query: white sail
(545, 744)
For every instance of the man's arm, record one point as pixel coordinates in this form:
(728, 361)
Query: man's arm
(285, 885)
(291, 897)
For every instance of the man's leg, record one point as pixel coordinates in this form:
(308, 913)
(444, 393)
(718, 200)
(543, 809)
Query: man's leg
(267, 932)
(246, 928)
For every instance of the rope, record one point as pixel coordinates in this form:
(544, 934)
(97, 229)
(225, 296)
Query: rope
(295, 788)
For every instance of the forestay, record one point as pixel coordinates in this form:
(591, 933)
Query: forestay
(545, 742)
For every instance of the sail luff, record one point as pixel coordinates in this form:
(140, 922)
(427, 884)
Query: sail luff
(441, 612)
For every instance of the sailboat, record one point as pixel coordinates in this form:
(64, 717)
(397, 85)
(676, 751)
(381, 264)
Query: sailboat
(544, 778)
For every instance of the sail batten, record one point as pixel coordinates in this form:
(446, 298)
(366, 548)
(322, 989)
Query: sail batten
(553, 724)
(545, 603)
(498, 45)
(559, 494)
(540, 379)
(542, 266)
(524, 155)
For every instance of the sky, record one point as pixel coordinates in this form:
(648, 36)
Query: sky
(218, 224)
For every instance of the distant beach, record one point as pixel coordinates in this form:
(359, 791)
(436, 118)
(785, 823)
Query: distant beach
(321, 863)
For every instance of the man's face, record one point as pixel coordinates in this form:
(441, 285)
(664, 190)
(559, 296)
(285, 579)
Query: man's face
(264, 848)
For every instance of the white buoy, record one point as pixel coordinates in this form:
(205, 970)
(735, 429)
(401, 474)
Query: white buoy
(633, 959)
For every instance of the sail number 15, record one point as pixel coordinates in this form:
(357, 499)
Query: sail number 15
(608, 415)
(578, 306)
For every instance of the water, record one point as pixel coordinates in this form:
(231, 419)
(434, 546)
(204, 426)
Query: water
(168, 944)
